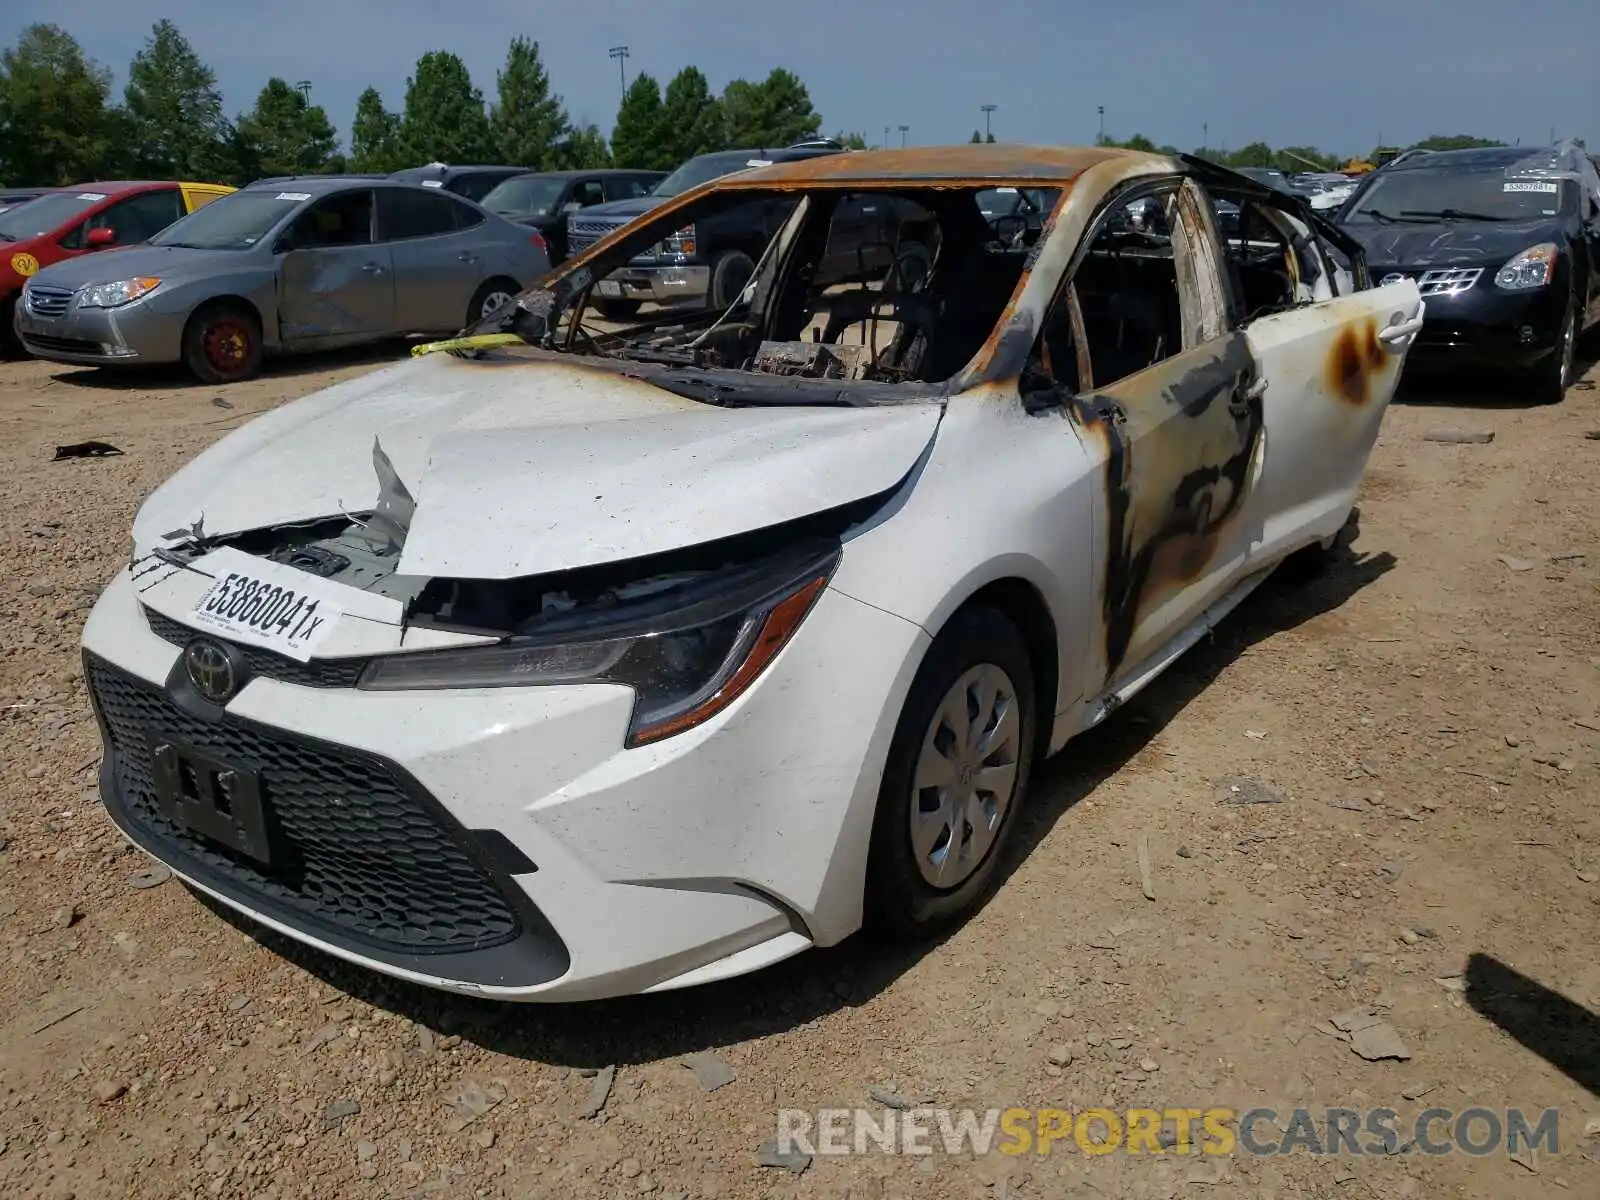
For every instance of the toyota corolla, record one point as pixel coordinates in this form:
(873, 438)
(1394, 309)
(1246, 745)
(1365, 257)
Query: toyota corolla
(575, 658)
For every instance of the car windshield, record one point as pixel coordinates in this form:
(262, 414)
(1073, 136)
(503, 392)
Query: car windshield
(234, 222)
(50, 211)
(706, 168)
(524, 196)
(1456, 193)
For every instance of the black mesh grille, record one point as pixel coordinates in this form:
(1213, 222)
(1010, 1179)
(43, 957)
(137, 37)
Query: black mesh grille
(321, 673)
(355, 848)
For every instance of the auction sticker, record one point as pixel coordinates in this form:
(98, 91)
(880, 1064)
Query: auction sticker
(1533, 186)
(266, 604)
(24, 264)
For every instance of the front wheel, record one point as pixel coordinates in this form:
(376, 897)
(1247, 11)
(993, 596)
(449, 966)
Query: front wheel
(222, 343)
(1553, 376)
(957, 770)
(618, 310)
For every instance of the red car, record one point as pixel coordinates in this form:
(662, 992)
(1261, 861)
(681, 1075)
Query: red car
(67, 222)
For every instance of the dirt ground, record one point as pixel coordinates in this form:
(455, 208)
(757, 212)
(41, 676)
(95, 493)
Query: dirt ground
(1425, 719)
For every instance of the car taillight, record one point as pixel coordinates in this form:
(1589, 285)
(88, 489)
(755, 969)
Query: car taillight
(538, 240)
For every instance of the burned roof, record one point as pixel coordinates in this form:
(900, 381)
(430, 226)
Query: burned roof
(981, 163)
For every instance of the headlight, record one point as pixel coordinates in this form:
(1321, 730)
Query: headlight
(1533, 268)
(682, 242)
(115, 295)
(684, 665)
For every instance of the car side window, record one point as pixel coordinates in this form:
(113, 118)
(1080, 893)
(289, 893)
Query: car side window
(138, 218)
(586, 192)
(627, 187)
(467, 216)
(404, 214)
(1140, 293)
(344, 219)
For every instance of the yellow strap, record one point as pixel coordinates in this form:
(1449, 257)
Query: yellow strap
(482, 341)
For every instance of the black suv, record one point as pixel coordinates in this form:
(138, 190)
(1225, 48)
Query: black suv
(472, 182)
(1504, 244)
(712, 261)
(545, 199)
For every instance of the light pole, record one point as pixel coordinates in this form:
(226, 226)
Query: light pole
(987, 109)
(620, 53)
(885, 137)
(1102, 111)
(903, 130)
(1205, 135)
(304, 88)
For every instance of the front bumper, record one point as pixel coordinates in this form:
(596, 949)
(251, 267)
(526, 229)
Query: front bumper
(660, 284)
(1486, 326)
(133, 333)
(500, 842)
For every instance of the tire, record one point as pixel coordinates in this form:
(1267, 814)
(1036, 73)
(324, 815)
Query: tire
(222, 342)
(730, 271)
(10, 344)
(913, 889)
(618, 310)
(492, 294)
(1553, 375)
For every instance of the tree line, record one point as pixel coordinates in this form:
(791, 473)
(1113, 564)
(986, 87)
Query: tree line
(1292, 160)
(59, 123)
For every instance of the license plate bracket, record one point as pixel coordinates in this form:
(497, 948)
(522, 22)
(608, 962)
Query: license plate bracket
(210, 797)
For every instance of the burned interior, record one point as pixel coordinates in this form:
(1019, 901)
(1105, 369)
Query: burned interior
(882, 284)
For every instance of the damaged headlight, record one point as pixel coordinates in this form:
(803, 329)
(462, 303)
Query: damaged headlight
(685, 664)
(1533, 268)
(115, 295)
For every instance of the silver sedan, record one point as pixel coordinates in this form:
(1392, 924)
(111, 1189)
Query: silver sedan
(282, 268)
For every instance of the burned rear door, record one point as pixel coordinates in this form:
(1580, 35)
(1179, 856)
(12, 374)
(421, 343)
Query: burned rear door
(1167, 401)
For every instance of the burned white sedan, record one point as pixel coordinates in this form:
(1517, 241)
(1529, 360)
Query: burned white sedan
(585, 659)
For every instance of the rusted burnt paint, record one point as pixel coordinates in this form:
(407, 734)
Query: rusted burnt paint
(965, 165)
(1355, 361)
(1177, 469)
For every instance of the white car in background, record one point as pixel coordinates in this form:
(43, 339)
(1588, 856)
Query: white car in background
(591, 658)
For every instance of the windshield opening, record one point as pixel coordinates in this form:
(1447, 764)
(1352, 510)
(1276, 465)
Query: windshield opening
(238, 221)
(1421, 194)
(524, 196)
(878, 286)
(46, 213)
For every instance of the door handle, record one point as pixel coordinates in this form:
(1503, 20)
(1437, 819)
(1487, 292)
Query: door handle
(1392, 335)
(373, 269)
(1257, 389)
(466, 256)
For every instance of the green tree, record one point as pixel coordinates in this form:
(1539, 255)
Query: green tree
(528, 122)
(636, 137)
(1137, 142)
(850, 141)
(55, 127)
(175, 111)
(375, 136)
(774, 112)
(1456, 141)
(584, 150)
(444, 119)
(1256, 154)
(691, 118)
(977, 138)
(289, 135)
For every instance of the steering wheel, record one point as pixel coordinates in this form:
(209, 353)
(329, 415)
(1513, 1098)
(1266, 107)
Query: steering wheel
(1008, 228)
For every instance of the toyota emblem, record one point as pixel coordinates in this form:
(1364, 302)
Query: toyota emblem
(211, 670)
(1392, 277)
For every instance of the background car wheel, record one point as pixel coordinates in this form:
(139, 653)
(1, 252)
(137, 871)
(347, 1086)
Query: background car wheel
(222, 343)
(1554, 375)
(493, 295)
(957, 770)
(730, 271)
(618, 310)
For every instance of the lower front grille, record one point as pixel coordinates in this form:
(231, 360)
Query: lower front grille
(61, 345)
(359, 850)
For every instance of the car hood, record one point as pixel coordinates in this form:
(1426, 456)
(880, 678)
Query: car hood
(108, 266)
(1448, 243)
(620, 210)
(522, 467)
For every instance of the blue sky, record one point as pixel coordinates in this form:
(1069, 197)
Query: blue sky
(1330, 73)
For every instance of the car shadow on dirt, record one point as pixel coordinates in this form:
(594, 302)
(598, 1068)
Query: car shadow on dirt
(648, 1029)
(1492, 389)
(173, 375)
(1566, 1035)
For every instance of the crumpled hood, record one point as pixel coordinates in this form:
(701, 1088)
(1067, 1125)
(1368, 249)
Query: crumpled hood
(525, 467)
(1447, 243)
(164, 262)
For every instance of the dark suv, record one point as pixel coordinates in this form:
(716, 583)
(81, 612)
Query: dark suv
(1505, 246)
(713, 261)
